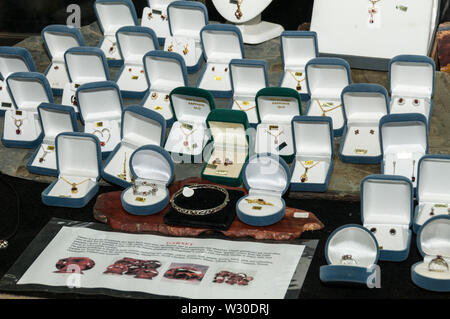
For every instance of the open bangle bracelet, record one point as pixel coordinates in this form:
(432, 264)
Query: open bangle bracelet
(137, 184)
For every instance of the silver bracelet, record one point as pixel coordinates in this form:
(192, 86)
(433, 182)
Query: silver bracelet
(138, 184)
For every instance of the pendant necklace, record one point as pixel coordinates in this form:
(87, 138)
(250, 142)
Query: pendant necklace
(113, 47)
(4, 240)
(324, 112)
(42, 158)
(238, 14)
(18, 123)
(186, 137)
(275, 136)
(373, 10)
(74, 186)
(304, 176)
(299, 82)
(123, 175)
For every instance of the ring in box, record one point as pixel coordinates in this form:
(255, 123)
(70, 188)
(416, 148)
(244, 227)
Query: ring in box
(57, 40)
(326, 78)
(364, 105)
(276, 107)
(134, 43)
(78, 164)
(267, 179)
(433, 241)
(153, 171)
(297, 48)
(155, 17)
(247, 78)
(386, 210)
(433, 184)
(139, 127)
(22, 127)
(55, 119)
(352, 254)
(165, 71)
(314, 153)
(411, 83)
(186, 20)
(111, 16)
(221, 44)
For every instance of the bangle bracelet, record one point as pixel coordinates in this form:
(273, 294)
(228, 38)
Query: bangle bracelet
(138, 184)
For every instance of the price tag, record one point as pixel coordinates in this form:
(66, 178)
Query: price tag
(50, 148)
(99, 124)
(309, 162)
(140, 199)
(301, 215)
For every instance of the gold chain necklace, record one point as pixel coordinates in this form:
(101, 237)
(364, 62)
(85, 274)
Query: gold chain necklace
(275, 136)
(299, 85)
(373, 10)
(238, 14)
(324, 112)
(186, 135)
(304, 176)
(74, 188)
(242, 109)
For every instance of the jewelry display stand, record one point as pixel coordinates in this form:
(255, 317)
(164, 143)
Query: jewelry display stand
(326, 78)
(113, 15)
(364, 105)
(155, 17)
(386, 211)
(139, 127)
(57, 40)
(165, 71)
(433, 181)
(246, 15)
(247, 78)
(55, 119)
(78, 176)
(134, 43)
(314, 153)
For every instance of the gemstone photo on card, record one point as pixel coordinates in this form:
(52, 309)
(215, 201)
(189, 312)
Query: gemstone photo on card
(72, 265)
(233, 278)
(186, 272)
(141, 269)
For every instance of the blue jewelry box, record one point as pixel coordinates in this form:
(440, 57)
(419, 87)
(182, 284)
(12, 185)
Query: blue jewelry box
(297, 49)
(352, 255)
(433, 183)
(78, 159)
(221, 44)
(139, 127)
(165, 71)
(314, 153)
(364, 105)
(432, 240)
(325, 80)
(155, 17)
(134, 43)
(111, 16)
(153, 171)
(57, 40)
(247, 78)
(267, 179)
(386, 211)
(54, 119)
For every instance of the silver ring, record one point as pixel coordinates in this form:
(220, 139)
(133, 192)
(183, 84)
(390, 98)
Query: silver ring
(348, 260)
(438, 264)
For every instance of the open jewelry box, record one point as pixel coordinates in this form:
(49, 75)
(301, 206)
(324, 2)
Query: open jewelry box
(165, 71)
(84, 65)
(314, 153)
(55, 119)
(134, 43)
(57, 40)
(186, 20)
(247, 78)
(276, 107)
(386, 211)
(22, 127)
(111, 16)
(364, 105)
(101, 107)
(12, 60)
(433, 184)
(411, 83)
(229, 147)
(153, 170)
(155, 17)
(221, 44)
(297, 48)
(140, 127)
(78, 176)
(352, 254)
(325, 79)
(267, 179)
(433, 241)
(189, 134)
(404, 140)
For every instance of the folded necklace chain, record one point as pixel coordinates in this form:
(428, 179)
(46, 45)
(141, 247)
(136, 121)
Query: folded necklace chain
(242, 109)
(324, 112)
(74, 188)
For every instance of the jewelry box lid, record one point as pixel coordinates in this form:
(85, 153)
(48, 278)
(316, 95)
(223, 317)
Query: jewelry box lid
(222, 43)
(290, 106)
(433, 179)
(59, 38)
(99, 101)
(229, 127)
(433, 238)
(28, 89)
(56, 119)
(15, 59)
(152, 162)
(297, 48)
(191, 104)
(327, 77)
(165, 70)
(412, 75)
(114, 14)
(86, 64)
(187, 18)
(134, 42)
(267, 172)
(313, 135)
(387, 199)
(248, 76)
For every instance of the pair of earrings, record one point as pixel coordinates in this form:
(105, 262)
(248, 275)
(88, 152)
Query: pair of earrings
(150, 16)
(154, 96)
(392, 231)
(214, 69)
(415, 102)
(228, 162)
(372, 132)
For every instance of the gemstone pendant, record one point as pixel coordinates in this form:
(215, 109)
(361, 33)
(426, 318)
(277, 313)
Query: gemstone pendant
(304, 178)
(186, 143)
(299, 87)
(74, 189)
(413, 179)
(238, 14)
(18, 131)
(102, 144)
(41, 160)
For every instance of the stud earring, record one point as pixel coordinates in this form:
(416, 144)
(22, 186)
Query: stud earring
(392, 232)
(356, 132)
(401, 101)
(154, 96)
(416, 102)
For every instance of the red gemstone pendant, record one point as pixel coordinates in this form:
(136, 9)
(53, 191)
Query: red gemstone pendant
(18, 132)
(102, 144)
